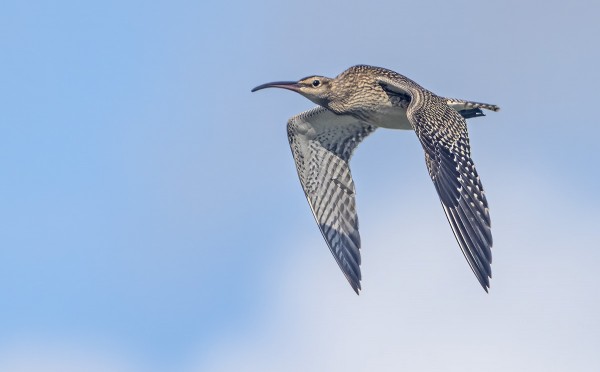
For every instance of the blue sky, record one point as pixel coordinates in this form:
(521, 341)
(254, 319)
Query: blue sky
(152, 219)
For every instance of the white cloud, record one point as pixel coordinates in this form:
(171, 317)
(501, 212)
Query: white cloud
(421, 307)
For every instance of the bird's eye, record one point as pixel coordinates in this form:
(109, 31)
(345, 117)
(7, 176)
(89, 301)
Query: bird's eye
(316, 83)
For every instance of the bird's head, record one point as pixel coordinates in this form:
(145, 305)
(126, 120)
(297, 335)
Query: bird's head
(315, 88)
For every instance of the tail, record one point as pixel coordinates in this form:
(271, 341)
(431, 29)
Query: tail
(470, 109)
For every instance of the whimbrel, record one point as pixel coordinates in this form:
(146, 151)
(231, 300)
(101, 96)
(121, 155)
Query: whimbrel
(352, 106)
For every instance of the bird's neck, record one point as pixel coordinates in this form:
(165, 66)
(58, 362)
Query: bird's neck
(337, 100)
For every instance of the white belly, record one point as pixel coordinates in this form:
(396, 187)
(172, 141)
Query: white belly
(392, 118)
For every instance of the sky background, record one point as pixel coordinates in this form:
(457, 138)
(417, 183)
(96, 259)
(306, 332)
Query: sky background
(151, 217)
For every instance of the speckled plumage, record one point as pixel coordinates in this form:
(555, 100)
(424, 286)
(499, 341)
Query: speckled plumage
(353, 105)
(322, 144)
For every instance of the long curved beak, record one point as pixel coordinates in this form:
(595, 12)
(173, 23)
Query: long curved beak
(291, 85)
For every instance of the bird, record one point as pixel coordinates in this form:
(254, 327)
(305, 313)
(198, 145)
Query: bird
(349, 108)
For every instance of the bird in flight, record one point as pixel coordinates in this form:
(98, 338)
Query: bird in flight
(350, 107)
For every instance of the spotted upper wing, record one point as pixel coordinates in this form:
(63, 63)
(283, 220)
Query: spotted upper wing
(442, 132)
(322, 144)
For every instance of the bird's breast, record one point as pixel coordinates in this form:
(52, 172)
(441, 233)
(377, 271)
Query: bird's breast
(391, 117)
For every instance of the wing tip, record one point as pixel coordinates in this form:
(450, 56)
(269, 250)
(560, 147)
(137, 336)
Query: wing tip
(485, 284)
(483, 277)
(356, 287)
(481, 268)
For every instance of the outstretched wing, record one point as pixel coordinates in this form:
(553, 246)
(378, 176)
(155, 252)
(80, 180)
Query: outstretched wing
(322, 144)
(442, 130)
(443, 135)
